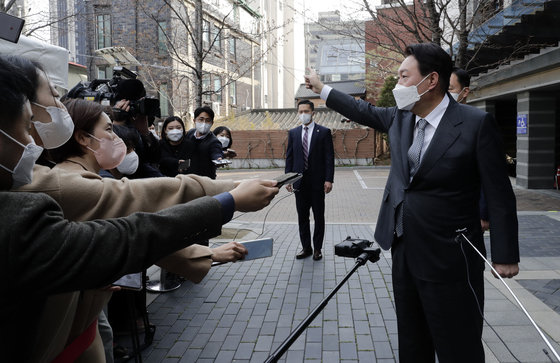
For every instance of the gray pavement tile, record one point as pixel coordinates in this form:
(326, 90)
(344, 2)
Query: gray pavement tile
(211, 350)
(191, 355)
(348, 351)
(157, 355)
(237, 328)
(200, 341)
(250, 335)
(244, 351)
(188, 334)
(209, 326)
(178, 349)
(331, 357)
(231, 342)
(364, 342)
(267, 328)
(264, 343)
(226, 321)
(383, 350)
(313, 351)
(255, 321)
(219, 334)
(168, 341)
(259, 357)
(225, 356)
(295, 356)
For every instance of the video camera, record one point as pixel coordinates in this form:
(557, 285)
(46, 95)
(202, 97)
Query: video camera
(123, 85)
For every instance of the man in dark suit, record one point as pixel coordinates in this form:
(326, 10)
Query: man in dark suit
(310, 152)
(442, 154)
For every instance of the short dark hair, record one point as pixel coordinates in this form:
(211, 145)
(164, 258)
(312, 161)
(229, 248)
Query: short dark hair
(206, 109)
(31, 70)
(85, 115)
(15, 90)
(167, 122)
(218, 130)
(306, 102)
(463, 77)
(432, 58)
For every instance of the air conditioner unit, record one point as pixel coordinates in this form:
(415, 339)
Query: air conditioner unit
(216, 108)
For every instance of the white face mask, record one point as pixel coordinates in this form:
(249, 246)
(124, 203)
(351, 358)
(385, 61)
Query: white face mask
(203, 127)
(406, 97)
(129, 165)
(174, 135)
(224, 140)
(304, 118)
(456, 95)
(23, 171)
(59, 131)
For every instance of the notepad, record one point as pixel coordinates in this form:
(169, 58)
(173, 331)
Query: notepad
(259, 248)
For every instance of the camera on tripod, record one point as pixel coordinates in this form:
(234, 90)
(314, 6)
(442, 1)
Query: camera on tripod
(123, 85)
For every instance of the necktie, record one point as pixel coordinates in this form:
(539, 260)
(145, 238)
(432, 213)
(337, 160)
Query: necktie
(416, 148)
(413, 162)
(304, 146)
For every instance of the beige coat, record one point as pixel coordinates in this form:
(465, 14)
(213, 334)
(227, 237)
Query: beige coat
(84, 195)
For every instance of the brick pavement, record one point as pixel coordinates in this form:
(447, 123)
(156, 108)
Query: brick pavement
(241, 312)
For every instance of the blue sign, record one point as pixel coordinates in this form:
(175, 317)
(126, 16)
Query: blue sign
(521, 124)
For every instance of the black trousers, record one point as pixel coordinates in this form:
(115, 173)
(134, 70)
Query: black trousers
(437, 317)
(308, 198)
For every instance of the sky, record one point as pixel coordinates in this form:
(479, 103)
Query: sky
(350, 10)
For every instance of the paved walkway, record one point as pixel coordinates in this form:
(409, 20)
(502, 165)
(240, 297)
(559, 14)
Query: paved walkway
(242, 311)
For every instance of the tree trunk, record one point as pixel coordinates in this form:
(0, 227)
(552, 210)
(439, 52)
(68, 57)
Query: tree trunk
(460, 60)
(435, 17)
(198, 51)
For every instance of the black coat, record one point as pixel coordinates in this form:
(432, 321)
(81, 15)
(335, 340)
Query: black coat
(204, 151)
(171, 154)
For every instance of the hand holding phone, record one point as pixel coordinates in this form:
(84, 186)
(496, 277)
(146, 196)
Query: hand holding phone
(288, 178)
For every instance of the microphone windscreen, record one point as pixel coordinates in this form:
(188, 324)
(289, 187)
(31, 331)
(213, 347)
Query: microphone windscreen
(130, 89)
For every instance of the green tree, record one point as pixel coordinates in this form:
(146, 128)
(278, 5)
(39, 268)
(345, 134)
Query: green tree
(386, 98)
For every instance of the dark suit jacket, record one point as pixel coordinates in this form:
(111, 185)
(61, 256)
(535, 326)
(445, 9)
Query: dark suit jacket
(320, 160)
(464, 156)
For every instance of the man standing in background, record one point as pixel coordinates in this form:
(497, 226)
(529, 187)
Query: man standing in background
(207, 147)
(310, 152)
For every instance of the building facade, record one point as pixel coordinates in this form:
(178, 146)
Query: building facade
(240, 44)
(335, 48)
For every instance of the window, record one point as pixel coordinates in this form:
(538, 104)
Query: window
(104, 72)
(217, 39)
(103, 31)
(162, 39)
(163, 100)
(231, 47)
(62, 10)
(232, 93)
(218, 89)
(206, 87)
(205, 33)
